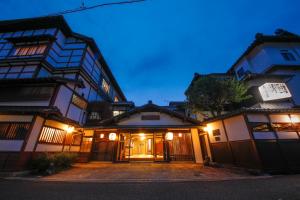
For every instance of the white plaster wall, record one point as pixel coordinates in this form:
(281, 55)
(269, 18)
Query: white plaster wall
(63, 99)
(34, 135)
(164, 120)
(260, 60)
(257, 118)
(236, 128)
(16, 118)
(268, 54)
(213, 126)
(196, 146)
(74, 113)
(48, 148)
(11, 145)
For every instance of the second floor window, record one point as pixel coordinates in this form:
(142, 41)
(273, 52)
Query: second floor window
(105, 86)
(30, 50)
(287, 55)
(241, 72)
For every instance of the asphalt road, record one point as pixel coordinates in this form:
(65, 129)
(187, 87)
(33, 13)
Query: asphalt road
(277, 188)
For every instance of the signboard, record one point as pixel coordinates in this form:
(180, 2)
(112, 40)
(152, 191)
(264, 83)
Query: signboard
(274, 91)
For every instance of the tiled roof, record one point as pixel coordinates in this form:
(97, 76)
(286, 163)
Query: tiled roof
(252, 110)
(146, 108)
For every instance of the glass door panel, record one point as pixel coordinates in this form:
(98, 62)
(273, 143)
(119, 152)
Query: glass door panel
(124, 147)
(159, 147)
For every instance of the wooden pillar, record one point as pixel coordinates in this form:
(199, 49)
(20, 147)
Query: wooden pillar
(196, 145)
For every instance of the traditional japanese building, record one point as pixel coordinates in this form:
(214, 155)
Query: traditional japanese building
(265, 133)
(58, 94)
(49, 75)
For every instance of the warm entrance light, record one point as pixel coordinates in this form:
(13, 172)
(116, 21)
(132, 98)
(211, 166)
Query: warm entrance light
(112, 136)
(101, 135)
(70, 129)
(207, 129)
(179, 134)
(169, 136)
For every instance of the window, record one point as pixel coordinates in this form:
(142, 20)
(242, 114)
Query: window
(52, 135)
(288, 56)
(105, 86)
(116, 99)
(283, 127)
(13, 131)
(216, 134)
(94, 116)
(18, 71)
(117, 112)
(260, 127)
(79, 102)
(15, 93)
(241, 72)
(30, 50)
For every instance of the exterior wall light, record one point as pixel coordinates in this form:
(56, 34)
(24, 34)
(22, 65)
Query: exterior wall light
(169, 136)
(112, 136)
(208, 129)
(101, 135)
(179, 134)
(70, 129)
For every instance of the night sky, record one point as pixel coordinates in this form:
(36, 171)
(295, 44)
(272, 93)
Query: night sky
(154, 48)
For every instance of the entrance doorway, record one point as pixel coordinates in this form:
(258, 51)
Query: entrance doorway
(141, 147)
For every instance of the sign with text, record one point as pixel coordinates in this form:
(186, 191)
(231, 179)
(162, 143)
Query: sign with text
(274, 91)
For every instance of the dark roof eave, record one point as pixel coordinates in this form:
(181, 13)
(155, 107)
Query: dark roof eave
(251, 110)
(42, 80)
(146, 107)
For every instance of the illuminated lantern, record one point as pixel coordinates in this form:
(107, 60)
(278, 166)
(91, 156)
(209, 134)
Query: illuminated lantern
(101, 135)
(112, 136)
(179, 134)
(169, 136)
(70, 129)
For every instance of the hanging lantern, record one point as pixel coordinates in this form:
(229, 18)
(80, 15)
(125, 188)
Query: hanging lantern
(112, 136)
(169, 136)
(179, 134)
(70, 129)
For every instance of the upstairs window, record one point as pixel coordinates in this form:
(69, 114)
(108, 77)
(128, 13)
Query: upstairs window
(30, 50)
(116, 99)
(105, 86)
(241, 72)
(287, 55)
(117, 112)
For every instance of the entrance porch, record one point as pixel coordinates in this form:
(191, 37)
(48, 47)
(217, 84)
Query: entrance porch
(143, 145)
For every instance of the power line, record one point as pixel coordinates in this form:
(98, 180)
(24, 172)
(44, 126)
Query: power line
(83, 7)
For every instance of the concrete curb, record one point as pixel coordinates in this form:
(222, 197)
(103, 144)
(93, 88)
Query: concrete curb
(133, 180)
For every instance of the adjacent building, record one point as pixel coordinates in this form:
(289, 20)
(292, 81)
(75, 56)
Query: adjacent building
(265, 133)
(58, 94)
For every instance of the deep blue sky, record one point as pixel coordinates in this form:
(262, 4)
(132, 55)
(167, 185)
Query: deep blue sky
(154, 48)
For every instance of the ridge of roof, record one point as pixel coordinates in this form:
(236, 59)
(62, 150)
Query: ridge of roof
(148, 107)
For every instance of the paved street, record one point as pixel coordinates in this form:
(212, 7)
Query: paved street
(282, 187)
(132, 172)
